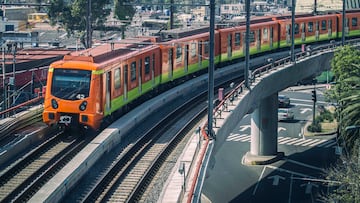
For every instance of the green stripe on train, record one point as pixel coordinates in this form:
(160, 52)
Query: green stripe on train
(132, 95)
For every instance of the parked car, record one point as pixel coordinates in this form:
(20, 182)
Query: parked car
(284, 101)
(285, 114)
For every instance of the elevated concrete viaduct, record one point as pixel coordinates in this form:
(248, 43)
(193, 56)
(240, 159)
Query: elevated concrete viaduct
(260, 100)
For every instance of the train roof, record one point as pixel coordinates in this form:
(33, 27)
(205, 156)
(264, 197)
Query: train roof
(26, 59)
(108, 51)
(183, 32)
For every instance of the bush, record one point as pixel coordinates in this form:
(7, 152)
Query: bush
(315, 126)
(326, 115)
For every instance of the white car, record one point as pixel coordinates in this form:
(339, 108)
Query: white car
(285, 114)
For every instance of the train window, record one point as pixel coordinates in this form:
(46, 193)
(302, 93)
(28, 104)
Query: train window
(296, 29)
(117, 78)
(147, 65)
(206, 47)
(317, 25)
(252, 36)
(193, 49)
(302, 27)
(310, 27)
(354, 22)
(323, 25)
(153, 62)
(133, 71)
(265, 33)
(237, 39)
(178, 53)
(65, 82)
(288, 29)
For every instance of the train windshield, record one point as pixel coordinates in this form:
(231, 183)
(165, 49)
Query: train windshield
(71, 84)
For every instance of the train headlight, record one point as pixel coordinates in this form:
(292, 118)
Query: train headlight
(82, 106)
(54, 104)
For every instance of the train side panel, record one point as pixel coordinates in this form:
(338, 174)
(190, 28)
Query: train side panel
(187, 55)
(263, 37)
(127, 80)
(308, 29)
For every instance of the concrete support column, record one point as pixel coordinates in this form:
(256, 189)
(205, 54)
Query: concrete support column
(264, 124)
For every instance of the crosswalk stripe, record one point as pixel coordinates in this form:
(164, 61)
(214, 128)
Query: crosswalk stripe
(283, 140)
(324, 142)
(244, 139)
(295, 141)
(232, 135)
(313, 143)
(235, 137)
(287, 140)
(331, 144)
(303, 141)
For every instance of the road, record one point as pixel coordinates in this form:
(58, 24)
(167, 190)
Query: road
(299, 177)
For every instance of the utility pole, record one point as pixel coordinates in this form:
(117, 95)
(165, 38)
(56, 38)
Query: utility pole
(343, 24)
(293, 3)
(4, 74)
(247, 43)
(14, 70)
(211, 68)
(88, 26)
(172, 14)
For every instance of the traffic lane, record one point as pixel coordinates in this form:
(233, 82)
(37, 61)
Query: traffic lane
(229, 180)
(289, 180)
(229, 177)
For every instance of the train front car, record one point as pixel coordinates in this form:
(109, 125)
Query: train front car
(72, 98)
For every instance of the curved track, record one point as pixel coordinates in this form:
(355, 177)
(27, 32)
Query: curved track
(125, 181)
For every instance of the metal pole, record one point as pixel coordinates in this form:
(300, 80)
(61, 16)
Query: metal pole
(343, 24)
(88, 27)
(211, 68)
(247, 43)
(172, 14)
(315, 7)
(4, 73)
(292, 30)
(14, 66)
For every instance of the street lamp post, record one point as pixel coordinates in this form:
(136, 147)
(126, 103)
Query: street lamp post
(211, 69)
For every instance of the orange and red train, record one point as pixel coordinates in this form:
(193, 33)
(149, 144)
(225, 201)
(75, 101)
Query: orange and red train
(87, 86)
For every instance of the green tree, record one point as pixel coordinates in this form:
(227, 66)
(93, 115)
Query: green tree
(346, 68)
(124, 11)
(345, 180)
(72, 15)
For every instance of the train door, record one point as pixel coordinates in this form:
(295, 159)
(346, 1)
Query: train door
(108, 91)
(186, 58)
(126, 73)
(200, 54)
(303, 33)
(140, 75)
(153, 69)
(229, 46)
(317, 30)
(258, 40)
(171, 63)
(288, 33)
(330, 28)
(271, 37)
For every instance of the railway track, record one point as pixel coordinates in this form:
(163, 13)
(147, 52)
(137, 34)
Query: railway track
(129, 177)
(20, 181)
